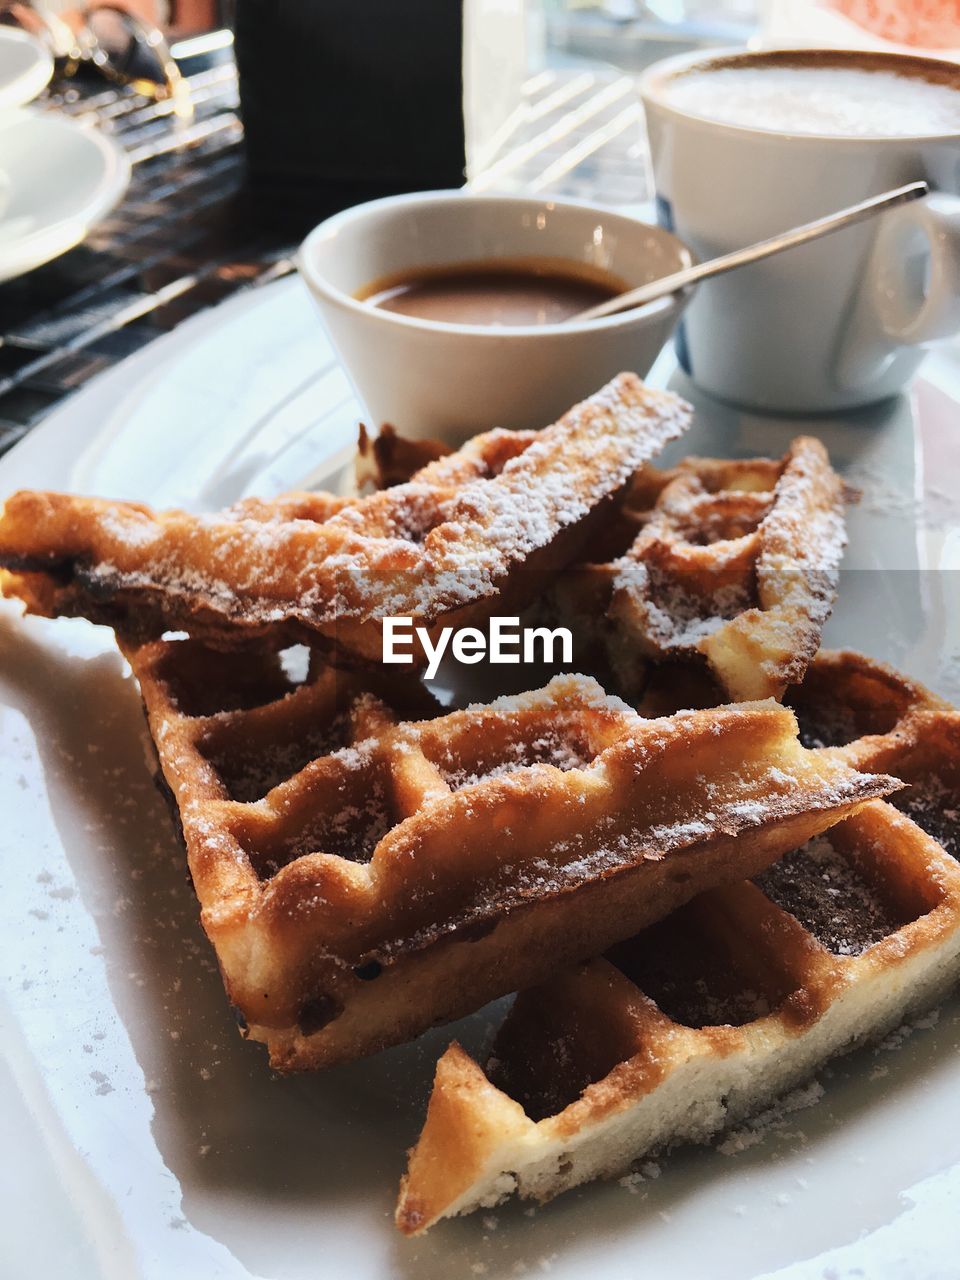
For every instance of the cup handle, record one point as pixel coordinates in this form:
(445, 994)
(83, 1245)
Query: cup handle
(911, 290)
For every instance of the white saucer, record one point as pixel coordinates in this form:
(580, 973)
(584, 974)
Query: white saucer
(60, 179)
(25, 68)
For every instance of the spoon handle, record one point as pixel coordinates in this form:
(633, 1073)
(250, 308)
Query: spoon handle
(754, 252)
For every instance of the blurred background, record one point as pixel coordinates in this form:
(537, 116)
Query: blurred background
(243, 124)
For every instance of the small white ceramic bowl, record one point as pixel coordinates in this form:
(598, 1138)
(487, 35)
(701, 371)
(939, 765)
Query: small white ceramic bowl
(453, 380)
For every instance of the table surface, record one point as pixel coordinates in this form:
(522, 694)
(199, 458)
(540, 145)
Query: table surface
(188, 233)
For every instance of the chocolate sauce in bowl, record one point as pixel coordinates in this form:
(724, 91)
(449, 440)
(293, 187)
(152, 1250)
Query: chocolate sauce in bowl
(497, 292)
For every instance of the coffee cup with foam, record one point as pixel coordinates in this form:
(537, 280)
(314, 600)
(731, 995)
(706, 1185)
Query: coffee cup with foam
(748, 144)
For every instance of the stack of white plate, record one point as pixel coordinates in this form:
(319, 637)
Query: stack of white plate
(57, 177)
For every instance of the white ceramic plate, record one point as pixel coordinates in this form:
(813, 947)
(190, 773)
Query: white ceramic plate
(59, 179)
(25, 67)
(145, 1140)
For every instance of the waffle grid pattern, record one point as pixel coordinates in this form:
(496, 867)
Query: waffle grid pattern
(710, 1015)
(457, 857)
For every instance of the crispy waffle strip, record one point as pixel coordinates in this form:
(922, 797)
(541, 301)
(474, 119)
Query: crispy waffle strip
(737, 565)
(473, 526)
(404, 874)
(631, 1078)
(732, 564)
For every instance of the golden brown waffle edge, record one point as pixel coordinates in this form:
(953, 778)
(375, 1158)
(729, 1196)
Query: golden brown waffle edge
(479, 527)
(710, 1015)
(387, 875)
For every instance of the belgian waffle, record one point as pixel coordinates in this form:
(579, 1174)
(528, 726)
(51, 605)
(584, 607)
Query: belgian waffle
(363, 878)
(705, 1018)
(480, 525)
(730, 564)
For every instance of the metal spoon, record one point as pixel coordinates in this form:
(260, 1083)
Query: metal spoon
(753, 253)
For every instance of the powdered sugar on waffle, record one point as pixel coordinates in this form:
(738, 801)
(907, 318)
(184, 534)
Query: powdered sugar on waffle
(935, 808)
(737, 1140)
(709, 556)
(420, 548)
(805, 525)
(823, 890)
(606, 847)
(678, 620)
(555, 749)
(496, 523)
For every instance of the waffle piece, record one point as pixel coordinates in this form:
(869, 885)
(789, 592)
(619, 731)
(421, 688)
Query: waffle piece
(864, 712)
(389, 458)
(480, 525)
(874, 718)
(696, 1023)
(730, 564)
(737, 565)
(362, 879)
(705, 1018)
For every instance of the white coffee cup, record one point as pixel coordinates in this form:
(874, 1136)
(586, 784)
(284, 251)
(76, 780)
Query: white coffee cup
(834, 324)
(447, 380)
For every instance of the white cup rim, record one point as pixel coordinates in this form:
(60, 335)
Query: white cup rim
(654, 80)
(306, 265)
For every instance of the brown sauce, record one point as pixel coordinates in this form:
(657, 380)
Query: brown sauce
(502, 292)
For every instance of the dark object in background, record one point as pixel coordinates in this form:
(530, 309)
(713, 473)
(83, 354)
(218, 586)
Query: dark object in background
(346, 100)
